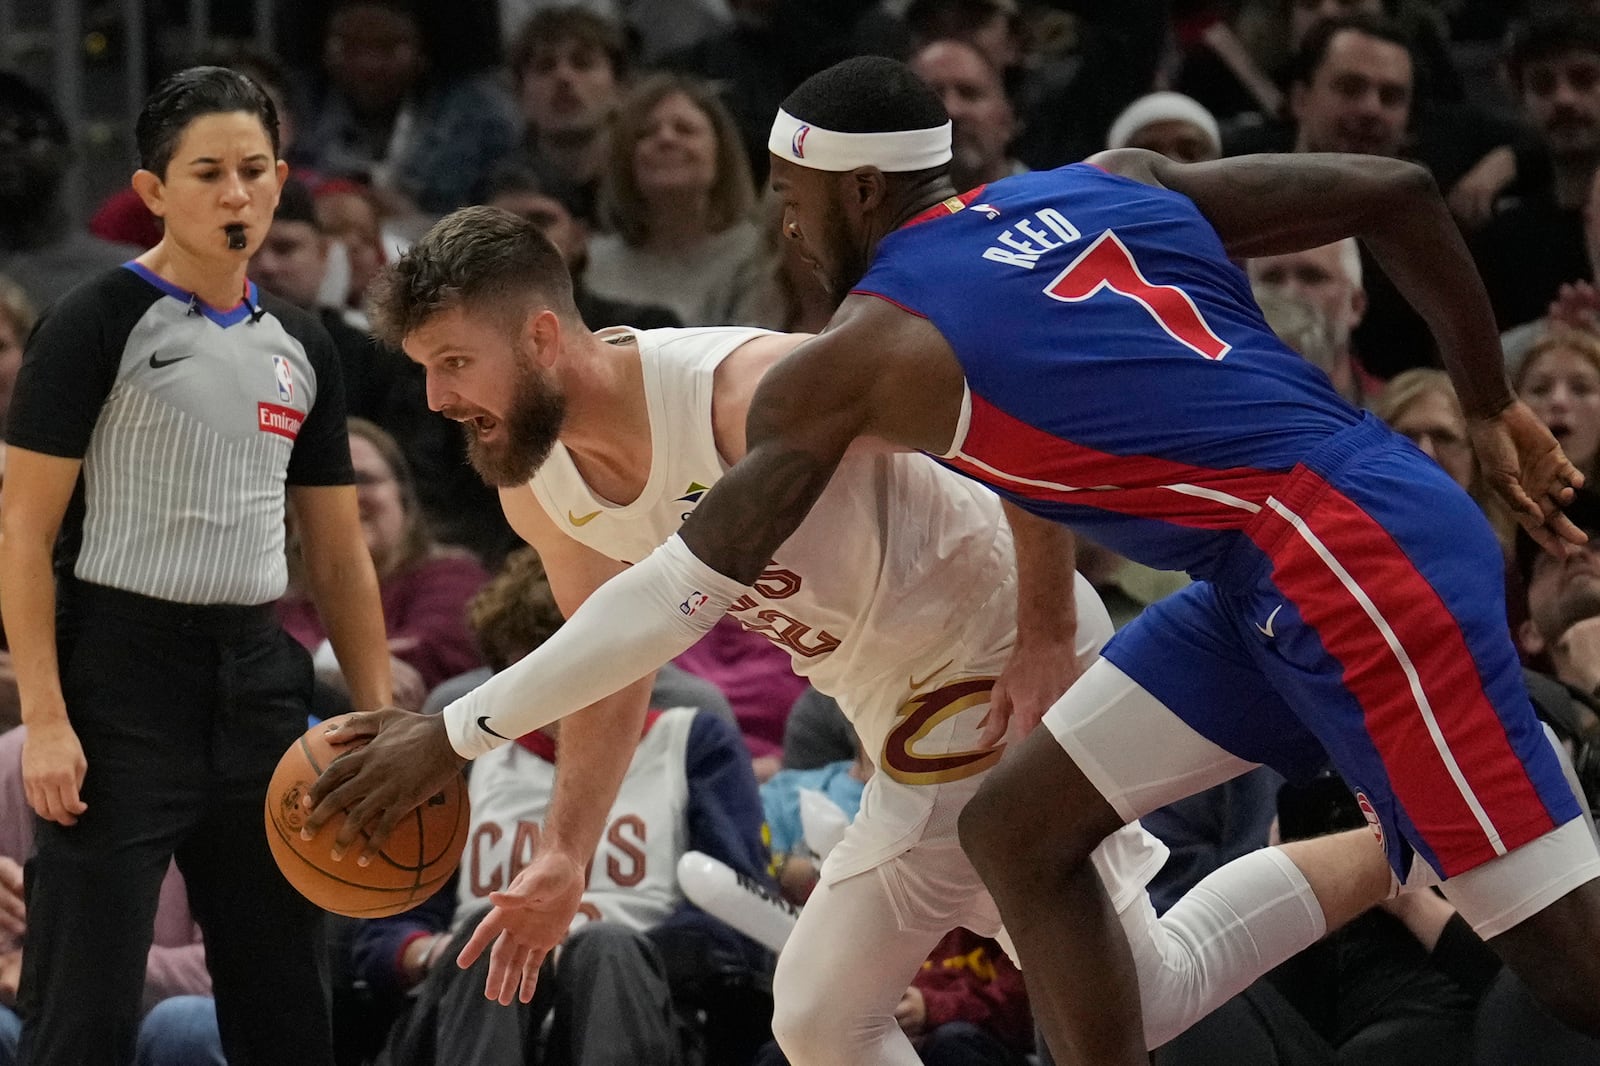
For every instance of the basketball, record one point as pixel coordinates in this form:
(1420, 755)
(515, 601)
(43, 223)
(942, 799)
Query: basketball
(420, 855)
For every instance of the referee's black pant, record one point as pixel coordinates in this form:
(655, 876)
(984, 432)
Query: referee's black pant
(183, 713)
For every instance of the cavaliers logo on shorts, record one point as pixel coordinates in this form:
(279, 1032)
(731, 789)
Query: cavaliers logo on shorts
(901, 760)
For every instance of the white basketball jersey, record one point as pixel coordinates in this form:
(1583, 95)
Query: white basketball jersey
(887, 571)
(896, 596)
(634, 876)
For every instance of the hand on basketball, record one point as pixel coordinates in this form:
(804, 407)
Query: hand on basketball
(530, 918)
(1523, 463)
(1033, 678)
(52, 770)
(406, 758)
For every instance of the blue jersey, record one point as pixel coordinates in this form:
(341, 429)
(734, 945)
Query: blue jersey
(1120, 375)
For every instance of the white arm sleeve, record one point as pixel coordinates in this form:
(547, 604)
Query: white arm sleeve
(628, 627)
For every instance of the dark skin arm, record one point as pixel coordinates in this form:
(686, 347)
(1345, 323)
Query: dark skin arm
(1270, 204)
(804, 416)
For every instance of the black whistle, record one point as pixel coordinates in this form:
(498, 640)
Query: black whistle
(235, 232)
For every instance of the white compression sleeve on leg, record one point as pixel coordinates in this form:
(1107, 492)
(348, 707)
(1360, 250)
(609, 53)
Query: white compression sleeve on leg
(628, 627)
(1232, 927)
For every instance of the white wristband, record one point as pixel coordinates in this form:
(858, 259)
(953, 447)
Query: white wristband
(628, 627)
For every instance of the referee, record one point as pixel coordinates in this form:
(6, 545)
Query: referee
(163, 414)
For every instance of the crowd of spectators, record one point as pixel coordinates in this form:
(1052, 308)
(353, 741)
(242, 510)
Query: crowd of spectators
(634, 136)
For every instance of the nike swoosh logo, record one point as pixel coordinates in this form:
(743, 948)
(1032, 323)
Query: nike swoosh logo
(483, 724)
(157, 364)
(582, 520)
(1266, 630)
(915, 684)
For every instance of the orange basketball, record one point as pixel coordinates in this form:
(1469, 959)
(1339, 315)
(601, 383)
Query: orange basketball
(420, 855)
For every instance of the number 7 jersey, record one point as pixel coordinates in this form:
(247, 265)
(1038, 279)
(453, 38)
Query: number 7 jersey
(1120, 377)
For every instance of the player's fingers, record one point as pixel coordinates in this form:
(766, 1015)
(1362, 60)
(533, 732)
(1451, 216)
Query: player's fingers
(505, 967)
(378, 834)
(481, 938)
(1565, 532)
(349, 728)
(328, 794)
(995, 720)
(530, 974)
(1544, 534)
(361, 822)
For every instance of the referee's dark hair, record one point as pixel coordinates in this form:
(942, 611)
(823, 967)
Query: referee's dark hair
(481, 258)
(186, 96)
(867, 94)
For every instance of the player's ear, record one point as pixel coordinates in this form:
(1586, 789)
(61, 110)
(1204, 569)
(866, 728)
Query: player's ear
(542, 330)
(867, 188)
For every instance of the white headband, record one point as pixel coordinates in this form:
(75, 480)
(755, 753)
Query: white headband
(823, 149)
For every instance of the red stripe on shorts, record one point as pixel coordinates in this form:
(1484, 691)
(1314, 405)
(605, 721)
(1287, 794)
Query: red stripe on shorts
(1431, 638)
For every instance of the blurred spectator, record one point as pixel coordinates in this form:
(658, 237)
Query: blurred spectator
(1064, 98)
(677, 191)
(394, 113)
(816, 733)
(1563, 625)
(553, 205)
(184, 1032)
(981, 116)
(39, 246)
(659, 26)
(1354, 89)
(1302, 326)
(350, 217)
(293, 263)
(569, 66)
(1560, 379)
(425, 588)
(1227, 77)
(1421, 404)
(17, 315)
(772, 46)
(784, 292)
(993, 27)
(1171, 124)
(1329, 279)
(627, 982)
(1535, 241)
(124, 219)
(1353, 92)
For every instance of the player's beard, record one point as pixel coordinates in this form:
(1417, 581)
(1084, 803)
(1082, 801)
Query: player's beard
(531, 428)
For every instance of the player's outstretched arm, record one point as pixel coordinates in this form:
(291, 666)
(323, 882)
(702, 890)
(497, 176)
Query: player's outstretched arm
(1268, 204)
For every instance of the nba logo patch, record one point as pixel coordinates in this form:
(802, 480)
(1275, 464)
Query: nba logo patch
(283, 374)
(797, 143)
(1370, 813)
